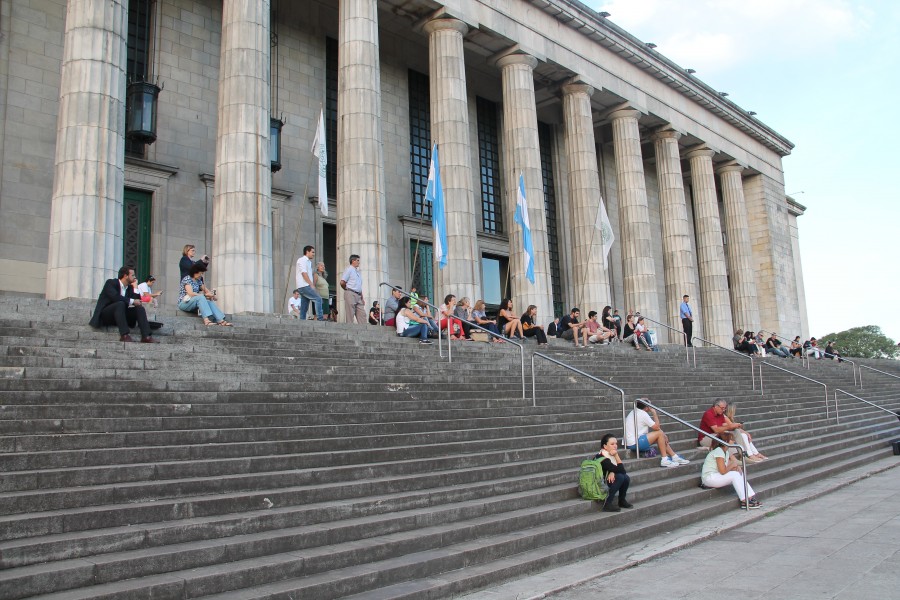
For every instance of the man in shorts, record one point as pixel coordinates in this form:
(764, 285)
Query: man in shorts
(649, 432)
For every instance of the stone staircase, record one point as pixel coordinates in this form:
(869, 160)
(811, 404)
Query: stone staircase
(286, 459)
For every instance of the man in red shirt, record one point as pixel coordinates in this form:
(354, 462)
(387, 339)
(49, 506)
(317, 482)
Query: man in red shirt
(715, 422)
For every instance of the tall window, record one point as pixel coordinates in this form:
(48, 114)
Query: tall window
(545, 136)
(331, 94)
(419, 141)
(138, 55)
(489, 167)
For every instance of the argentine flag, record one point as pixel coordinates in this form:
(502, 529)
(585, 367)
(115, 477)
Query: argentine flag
(522, 219)
(434, 193)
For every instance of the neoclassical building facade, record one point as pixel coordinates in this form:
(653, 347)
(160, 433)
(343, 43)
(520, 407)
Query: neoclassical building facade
(548, 91)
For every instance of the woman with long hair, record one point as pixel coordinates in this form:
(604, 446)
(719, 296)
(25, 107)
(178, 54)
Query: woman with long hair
(530, 327)
(507, 321)
(742, 438)
(719, 470)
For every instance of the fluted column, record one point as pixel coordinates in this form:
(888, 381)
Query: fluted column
(678, 255)
(89, 169)
(361, 216)
(639, 274)
(521, 153)
(242, 208)
(589, 273)
(716, 313)
(739, 252)
(450, 130)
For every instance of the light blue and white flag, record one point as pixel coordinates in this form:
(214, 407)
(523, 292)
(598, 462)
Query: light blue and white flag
(434, 193)
(522, 219)
(320, 151)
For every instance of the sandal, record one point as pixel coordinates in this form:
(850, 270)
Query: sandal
(226, 324)
(207, 322)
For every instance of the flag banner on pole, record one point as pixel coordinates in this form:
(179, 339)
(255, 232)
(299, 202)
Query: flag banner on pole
(434, 193)
(606, 231)
(522, 219)
(319, 150)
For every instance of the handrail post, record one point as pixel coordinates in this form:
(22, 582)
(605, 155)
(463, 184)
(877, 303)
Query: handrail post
(533, 386)
(761, 381)
(762, 362)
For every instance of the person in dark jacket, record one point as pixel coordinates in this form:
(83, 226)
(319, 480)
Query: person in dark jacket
(119, 304)
(614, 472)
(187, 260)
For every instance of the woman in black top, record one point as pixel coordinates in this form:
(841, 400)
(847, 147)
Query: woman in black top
(748, 344)
(614, 472)
(507, 321)
(608, 321)
(529, 327)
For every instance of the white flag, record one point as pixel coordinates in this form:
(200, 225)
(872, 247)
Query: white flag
(606, 231)
(318, 148)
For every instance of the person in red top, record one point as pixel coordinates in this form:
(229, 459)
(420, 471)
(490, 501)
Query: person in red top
(715, 422)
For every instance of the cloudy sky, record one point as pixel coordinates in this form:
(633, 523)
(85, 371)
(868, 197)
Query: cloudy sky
(823, 73)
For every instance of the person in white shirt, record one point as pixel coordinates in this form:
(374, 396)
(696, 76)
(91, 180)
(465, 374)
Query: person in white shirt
(305, 284)
(649, 432)
(294, 302)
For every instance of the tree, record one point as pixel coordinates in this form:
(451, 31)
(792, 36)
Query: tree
(862, 342)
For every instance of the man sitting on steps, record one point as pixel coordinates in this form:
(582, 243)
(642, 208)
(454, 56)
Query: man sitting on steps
(118, 304)
(647, 419)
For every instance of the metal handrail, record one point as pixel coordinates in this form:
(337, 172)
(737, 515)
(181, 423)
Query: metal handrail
(477, 326)
(887, 410)
(687, 354)
(580, 372)
(861, 367)
(804, 358)
(762, 362)
(740, 451)
(854, 368)
(741, 354)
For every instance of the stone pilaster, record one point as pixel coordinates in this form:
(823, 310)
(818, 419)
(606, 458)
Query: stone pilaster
(588, 274)
(450, 130)
(242, 206)
(634, 216)
(361, 216)
(716, 313)
(739, 252)
(678, 255)
(89, 172)
(522, 156)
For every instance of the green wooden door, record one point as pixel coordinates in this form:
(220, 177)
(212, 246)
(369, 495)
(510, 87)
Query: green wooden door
(136, 231)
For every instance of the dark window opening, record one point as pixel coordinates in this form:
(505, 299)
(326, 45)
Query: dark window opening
(545, 135)
(419, 142)
(331, 94)
(489, 167)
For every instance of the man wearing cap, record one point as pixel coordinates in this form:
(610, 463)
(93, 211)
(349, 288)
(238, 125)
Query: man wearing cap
(351, 282)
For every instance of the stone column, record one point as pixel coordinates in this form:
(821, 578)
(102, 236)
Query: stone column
(361, 216)
(678, 255)
(450, 131)
(634, 216)
(89, 169)
(744, 303)
(589, 273)
(521, 156)
(716, 313)
(242, 206)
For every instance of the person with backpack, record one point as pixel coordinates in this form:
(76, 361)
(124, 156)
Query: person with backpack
(614, 472)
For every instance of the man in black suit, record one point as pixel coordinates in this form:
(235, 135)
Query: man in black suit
(119, 304)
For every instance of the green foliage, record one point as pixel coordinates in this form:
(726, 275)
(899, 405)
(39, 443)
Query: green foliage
(862, 342)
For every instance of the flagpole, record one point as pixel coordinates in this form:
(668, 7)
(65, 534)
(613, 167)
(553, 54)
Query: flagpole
(291, 271)
(590, 250)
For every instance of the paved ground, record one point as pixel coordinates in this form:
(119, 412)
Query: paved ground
(844, 545)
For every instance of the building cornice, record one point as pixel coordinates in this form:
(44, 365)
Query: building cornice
(589, 23)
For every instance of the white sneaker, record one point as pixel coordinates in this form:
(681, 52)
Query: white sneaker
(680, 461)
(667, 462)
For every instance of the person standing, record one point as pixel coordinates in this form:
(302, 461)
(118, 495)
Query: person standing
(305, 284)
(351, 283)
(320, 280)
(687, 319)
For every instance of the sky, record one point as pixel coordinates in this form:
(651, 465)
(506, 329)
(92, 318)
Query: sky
(825, 74)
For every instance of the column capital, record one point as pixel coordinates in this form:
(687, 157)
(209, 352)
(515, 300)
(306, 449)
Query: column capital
(732, 167)
(577, 85)
(698, 151)
(665, 132)
(517, 58)
(624, 113)
(444, 24)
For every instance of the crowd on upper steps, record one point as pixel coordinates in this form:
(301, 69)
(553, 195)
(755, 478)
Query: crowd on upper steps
(760, 345)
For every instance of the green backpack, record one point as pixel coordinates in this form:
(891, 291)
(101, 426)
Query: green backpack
(591, 482)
